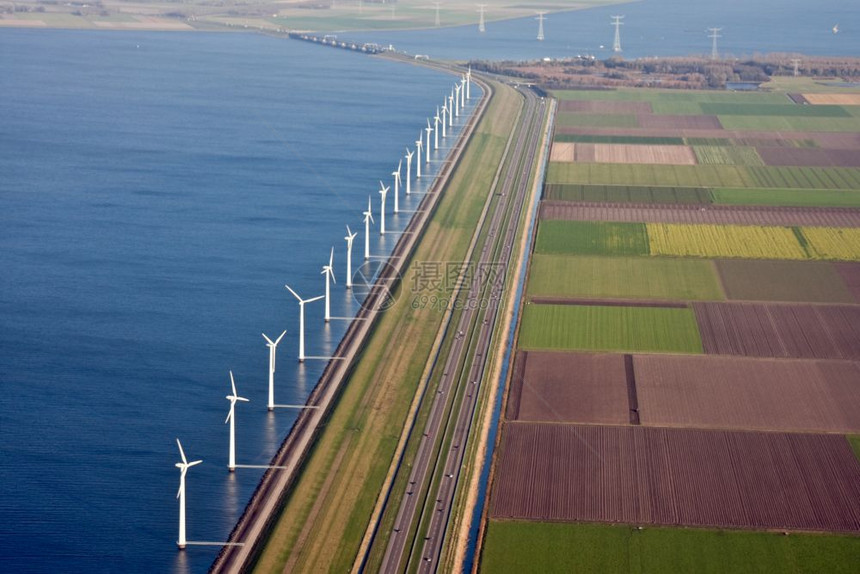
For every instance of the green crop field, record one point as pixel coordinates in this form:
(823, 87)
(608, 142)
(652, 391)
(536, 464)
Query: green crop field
(596, 138)
(544, 547)
(854, 439)
(605, 328)
(727, 155)
(794, 281)
(591, 238)
(787, 197)
(622, 278)
(720, 176)
(597, 120)
(626, 193)
(794, 123)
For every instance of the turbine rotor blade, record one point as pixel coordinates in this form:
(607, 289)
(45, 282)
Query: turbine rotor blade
(194, 463)
(181, 452)
(314, 299)
(229, 415)
(296, 295)
(278, 340)
(267, 339)
(233, 383)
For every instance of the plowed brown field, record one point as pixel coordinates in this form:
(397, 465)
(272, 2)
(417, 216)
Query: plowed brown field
(850, 273)
(699, 214)
(590, 388)
(633, 153)
(833, 99)
(644, 475)
(810, 157)
(766, 330)
(562, 151)
(754, 394)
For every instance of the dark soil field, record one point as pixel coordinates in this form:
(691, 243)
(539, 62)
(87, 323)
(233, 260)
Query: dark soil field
(700, 214)
(830, 140)
(812, 157)
(775, 330)
(752, 394)
(642, 475)
(567, 387)
(789, 281)
(604, 107)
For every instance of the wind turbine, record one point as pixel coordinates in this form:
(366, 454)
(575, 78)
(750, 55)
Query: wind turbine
(302, 320)
(368, 218)
(419, 144)
(328, 271)
(463, 91)
(457, 89)
(469, 83)
(349, 237)
(429, 130)
(397, 181)
(383, 191)
(444, 114)
(451, 110)
(183, 467)
(408, 156)
(231, 418)
(273, 350)
(436, 129)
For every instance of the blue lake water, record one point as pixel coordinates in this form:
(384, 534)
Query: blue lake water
(157, 192)
(650, 28)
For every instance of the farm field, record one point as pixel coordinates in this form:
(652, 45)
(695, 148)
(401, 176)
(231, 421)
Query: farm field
(609, 328)
(689, 477)
(547, 382)
(586, 238)
(780, 330)
(789, 281)
(533, 547)
(698, 214)
(752, 394)
(720, 176)
(745, 241)
(622, 278)
(635, 439)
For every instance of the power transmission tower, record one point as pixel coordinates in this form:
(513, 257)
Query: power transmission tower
(714, 36)
(540, 19)
(481, 27)
(796, 62)
(437, 4)
(616, 45)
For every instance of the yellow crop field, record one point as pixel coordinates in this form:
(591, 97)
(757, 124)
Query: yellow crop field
(745, 241)
(833, 242)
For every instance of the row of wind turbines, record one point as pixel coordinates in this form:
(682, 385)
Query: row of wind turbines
(451, 108)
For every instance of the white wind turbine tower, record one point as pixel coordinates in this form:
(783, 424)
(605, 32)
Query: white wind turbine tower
(419, 144)
(368, 219)
(469, 83)
(541, 17)
(463, 91)
(408, 156)
(302, 320)
(328, 271)
(273, 350)
(183, 467)
(481, 26)
(457, 89)
(383, 191)
(444, 115)
(397, 181)
(231, 418)
(429, 130)
(349, 237)
(436, 129)
(451, 110)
